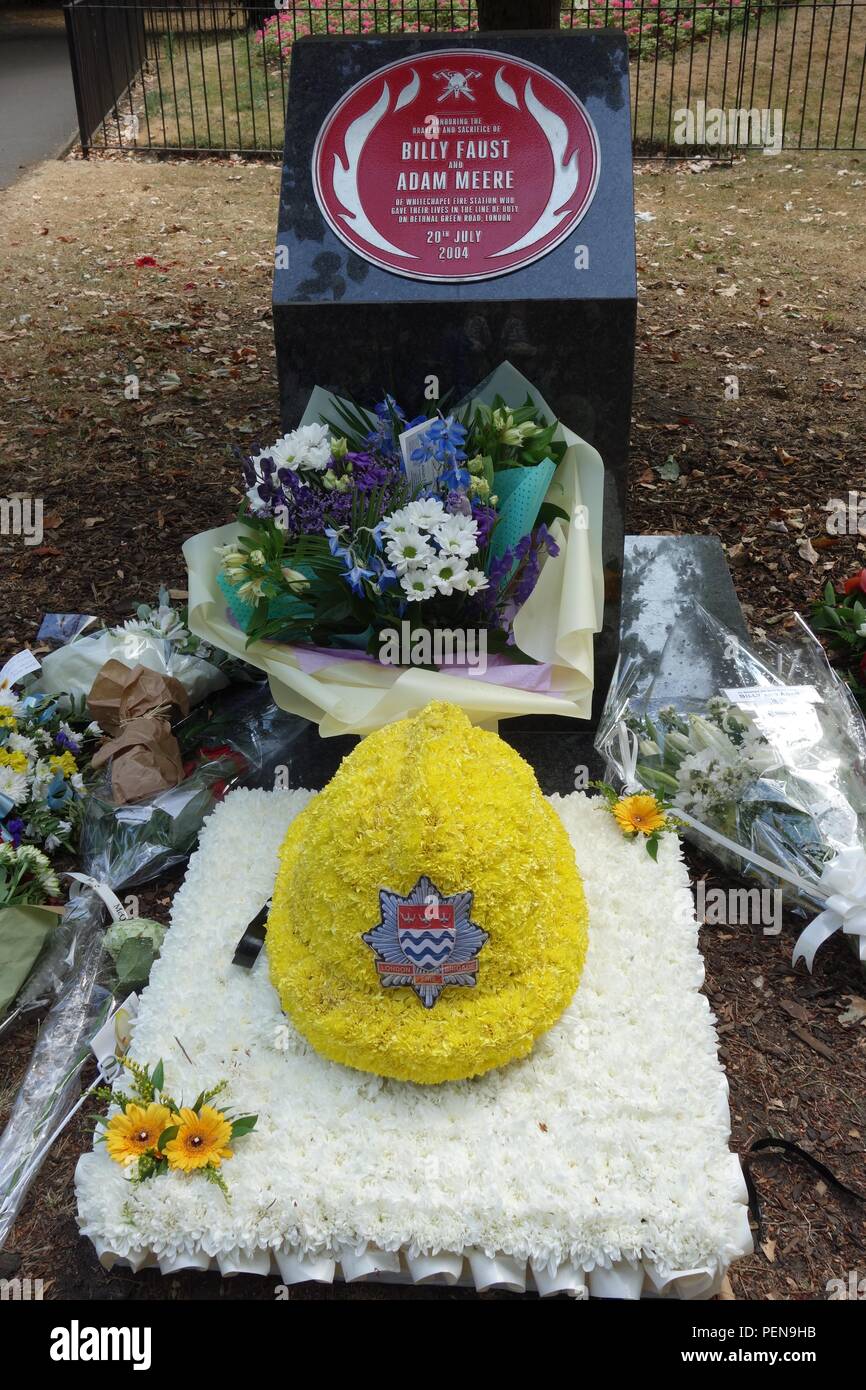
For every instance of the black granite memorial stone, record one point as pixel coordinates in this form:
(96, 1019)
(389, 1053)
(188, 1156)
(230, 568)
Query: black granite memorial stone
(451, 202)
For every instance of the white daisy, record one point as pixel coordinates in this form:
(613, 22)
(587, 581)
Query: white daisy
(397, 523)
(409, 550)
(306, 448)
(457, 535)
(448, 572)
(417, 585)
(425, 513)
(473, 580)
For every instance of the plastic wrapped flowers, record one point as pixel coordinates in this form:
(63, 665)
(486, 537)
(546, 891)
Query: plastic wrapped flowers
(379, 561)
(764, 773)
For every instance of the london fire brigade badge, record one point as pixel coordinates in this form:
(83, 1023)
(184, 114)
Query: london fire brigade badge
(426, 940)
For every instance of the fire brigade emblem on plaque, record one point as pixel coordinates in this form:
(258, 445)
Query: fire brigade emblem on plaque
(426, 940)
(456, 165)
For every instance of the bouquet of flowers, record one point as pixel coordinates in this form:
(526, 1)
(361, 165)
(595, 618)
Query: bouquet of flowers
(764, 772)
(45, 746)
(379, 561)
(157, 637)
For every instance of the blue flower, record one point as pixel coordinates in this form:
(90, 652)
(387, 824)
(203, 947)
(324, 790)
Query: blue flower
(386, 578)
(455, 479)
(337, 549)
(388, 407)
(355, 576)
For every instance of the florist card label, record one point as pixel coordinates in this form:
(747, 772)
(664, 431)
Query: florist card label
(456, 165)
(423, 470)
(785, 714)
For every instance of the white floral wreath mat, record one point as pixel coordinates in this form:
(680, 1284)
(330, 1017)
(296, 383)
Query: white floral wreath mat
(599, 1165)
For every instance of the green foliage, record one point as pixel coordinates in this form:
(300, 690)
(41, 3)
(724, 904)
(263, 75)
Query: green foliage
(840, 618)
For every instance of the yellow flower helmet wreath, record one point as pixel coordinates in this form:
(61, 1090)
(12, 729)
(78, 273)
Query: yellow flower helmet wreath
(432, 838)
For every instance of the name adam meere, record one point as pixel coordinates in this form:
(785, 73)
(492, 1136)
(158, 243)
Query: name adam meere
(438, 646)
(77, 1343)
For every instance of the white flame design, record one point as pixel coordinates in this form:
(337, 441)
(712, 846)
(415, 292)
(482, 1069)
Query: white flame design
(565, 176)
(409, 92)
(505, 90)
(345, 181)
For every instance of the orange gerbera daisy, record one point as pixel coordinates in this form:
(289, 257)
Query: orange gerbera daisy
(135, 1131)
(201, 1140)
(639, 815)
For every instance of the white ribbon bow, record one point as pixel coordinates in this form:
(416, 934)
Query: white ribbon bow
(844, 884)
(629, 750)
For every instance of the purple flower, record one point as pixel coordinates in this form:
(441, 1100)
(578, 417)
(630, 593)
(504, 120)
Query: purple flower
(543, 537)
(368, 473)
(63, 741)
(15, 831)
(457, 503)
(485, 519)
(312, 511)
(500, 569)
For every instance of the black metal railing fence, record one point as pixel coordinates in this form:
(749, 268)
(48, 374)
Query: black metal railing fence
(707, 76)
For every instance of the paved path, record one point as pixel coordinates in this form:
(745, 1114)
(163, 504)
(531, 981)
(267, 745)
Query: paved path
(37, 104)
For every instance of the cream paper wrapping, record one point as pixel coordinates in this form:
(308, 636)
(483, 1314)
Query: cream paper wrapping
(555, 626)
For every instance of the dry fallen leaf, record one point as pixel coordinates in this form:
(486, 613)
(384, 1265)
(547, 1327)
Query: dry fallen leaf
(856, 1011)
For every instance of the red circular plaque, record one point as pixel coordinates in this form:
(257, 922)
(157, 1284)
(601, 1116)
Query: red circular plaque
(455, 165)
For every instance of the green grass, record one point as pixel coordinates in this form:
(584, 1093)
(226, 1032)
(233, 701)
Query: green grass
(213, 92)
(218, 90)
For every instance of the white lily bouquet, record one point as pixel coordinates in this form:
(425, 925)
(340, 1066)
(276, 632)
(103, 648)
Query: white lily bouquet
(765, 768)
(369, 541)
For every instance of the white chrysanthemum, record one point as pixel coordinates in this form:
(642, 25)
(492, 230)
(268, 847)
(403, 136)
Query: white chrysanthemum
(425, 512)
(448, 573)
(417, 585)
(457, 535)
(409, 550)
(42, 776)
(307, 448)
(21, 743)
(398, 523)
(162, 622)
(14, 785)
(474, 580)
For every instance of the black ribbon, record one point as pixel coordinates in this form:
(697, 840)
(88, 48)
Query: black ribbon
(787, 1148)
(248, 948)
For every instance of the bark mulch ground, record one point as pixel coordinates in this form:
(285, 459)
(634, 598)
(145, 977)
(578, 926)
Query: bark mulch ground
(115, 272)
